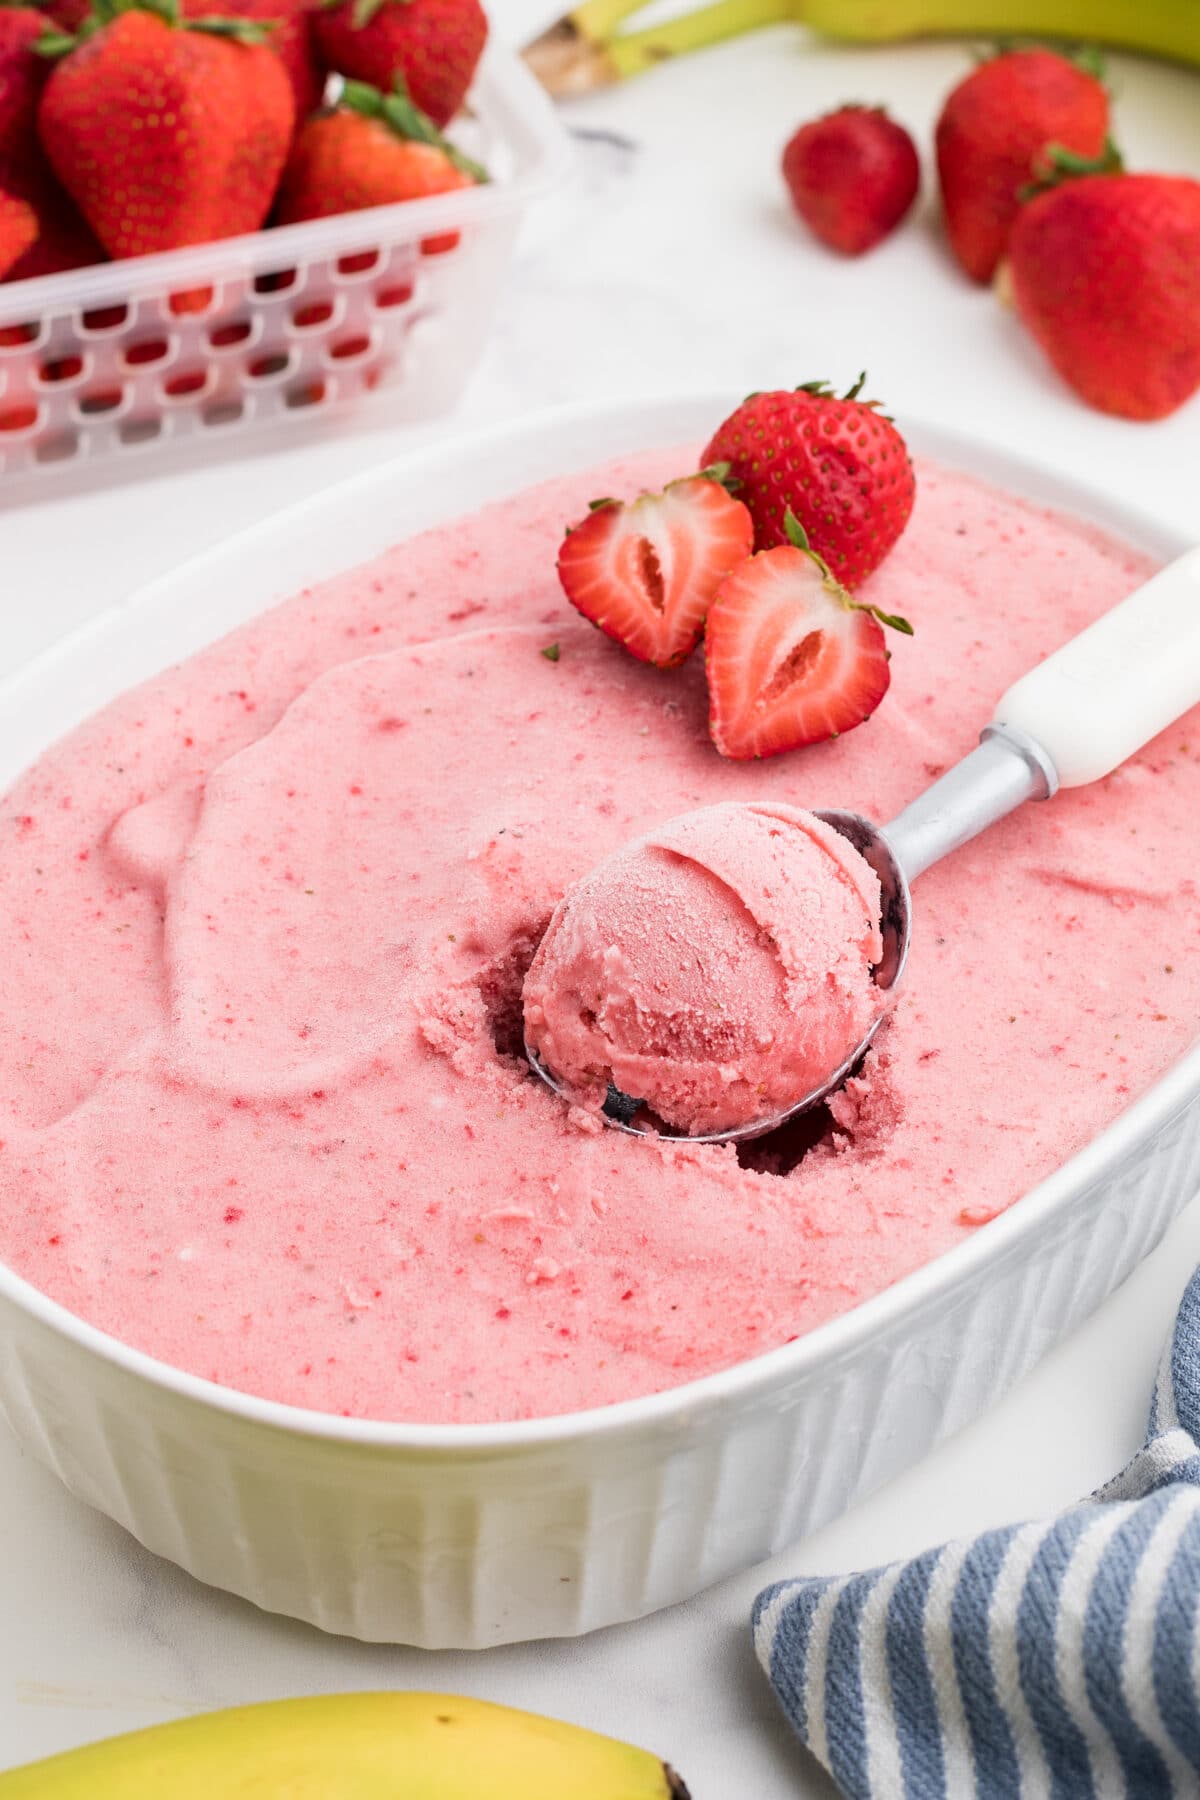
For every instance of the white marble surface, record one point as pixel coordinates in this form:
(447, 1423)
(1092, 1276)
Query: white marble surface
(669, 264)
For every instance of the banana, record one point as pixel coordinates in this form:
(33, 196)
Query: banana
(583, 51)
(378, 1746)
(1169, 28)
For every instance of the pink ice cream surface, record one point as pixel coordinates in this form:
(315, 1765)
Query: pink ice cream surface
(265, 921)
(718, 969)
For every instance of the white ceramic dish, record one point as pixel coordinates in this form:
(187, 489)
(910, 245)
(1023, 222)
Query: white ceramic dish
(477, 1535)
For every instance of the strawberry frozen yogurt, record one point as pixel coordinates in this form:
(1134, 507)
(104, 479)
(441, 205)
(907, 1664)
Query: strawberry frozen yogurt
(265, 922)
(719, 969)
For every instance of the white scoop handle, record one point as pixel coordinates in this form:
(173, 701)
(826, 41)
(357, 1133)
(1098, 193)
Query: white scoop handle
(1110, 690)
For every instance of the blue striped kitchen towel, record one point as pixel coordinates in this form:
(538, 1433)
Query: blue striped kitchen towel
(1059, 1659)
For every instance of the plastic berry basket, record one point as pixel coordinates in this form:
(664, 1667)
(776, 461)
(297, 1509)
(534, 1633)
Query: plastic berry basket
(285, 326)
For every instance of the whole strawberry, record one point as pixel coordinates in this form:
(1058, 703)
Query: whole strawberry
(835, 461)
(1106, 275)
(168, 135)
(433, 46)
(68, 15)
(375, 149)
(61, 239)
(852, 175)
(290, 36)
(18, 229)
(23, 75)
(994, 131)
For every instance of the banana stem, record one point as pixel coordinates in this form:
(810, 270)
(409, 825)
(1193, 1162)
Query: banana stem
(583, 52)
(575, 56)
(635, 51)
(570, 56)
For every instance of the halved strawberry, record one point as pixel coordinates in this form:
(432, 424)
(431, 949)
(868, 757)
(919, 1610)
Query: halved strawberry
(791, 658)
(645, 570)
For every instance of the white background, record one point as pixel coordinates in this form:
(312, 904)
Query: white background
(670, 262)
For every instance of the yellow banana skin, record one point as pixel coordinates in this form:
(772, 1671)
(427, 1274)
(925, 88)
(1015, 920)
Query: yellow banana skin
(409, 1746)
(1169, 28)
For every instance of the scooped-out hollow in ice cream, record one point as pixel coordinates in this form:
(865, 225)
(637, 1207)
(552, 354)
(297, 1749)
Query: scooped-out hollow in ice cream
(718, 969)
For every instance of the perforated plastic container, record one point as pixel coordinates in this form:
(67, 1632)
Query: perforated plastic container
(279, 327)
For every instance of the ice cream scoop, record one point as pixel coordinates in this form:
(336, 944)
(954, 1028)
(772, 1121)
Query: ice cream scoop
(717, 967)
(1071, 720)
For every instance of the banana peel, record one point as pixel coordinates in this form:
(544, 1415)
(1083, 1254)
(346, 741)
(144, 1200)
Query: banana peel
(1167, 28)
(584, 50)
(379, 1746)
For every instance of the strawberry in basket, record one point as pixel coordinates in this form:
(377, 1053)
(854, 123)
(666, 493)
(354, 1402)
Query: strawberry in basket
(433, 46)
(68, 15)
(167, 133)
(23, 74)
(374, 149)
(59, 239)
(63, 238)
(290, 36)
(18, 231)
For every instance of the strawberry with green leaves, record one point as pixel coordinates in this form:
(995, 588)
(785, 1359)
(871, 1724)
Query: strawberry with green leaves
(995, 129)
(167, 133)
(836, 462)
(373, 149)
(1106, 275)
(645, 571)
(791, 657)
(432, 46)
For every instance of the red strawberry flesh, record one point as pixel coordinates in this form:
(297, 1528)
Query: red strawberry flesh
(645, 572)
(790, 660)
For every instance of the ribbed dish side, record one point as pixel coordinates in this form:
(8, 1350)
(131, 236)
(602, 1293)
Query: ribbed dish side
(441, 1550)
